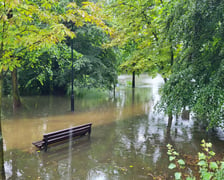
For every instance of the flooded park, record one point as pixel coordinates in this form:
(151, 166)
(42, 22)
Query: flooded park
(128, 139)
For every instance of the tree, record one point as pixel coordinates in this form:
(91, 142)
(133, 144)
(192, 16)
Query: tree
(140, 33)
(197, 78)
(26, 28)
(181, 40)
(48, 73)
(51, 72)
(33, 25)
(29, 25)
(97, 66)
(131, 21)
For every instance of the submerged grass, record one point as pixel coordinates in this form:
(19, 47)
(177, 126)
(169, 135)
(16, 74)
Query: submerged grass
(91, 93)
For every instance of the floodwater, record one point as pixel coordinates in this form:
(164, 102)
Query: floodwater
(128, 139)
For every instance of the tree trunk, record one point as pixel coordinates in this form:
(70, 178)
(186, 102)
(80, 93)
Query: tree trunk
(133, 79)
(15, 90)
(133, 95)
(170, 119)
(171, 55)
(114, 90)
(2, 169)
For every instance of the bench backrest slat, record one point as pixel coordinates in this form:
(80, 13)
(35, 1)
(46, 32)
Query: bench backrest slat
(64, 134)
(67, 130)
(67, 133)
(65, 137)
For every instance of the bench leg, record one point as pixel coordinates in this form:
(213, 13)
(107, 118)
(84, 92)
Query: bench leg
(45, 145)
(89, 132)
(45, 148)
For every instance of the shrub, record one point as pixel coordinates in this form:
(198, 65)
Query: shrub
(208, 169)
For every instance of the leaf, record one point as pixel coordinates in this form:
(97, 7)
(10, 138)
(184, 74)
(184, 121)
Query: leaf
(181, 162)
(207, 175)
(202, 163)
(177, 175)
(201, 156)
(171, 158)
(211, 153)
(222, 165)
(172, 166)
(213, 165)
(10, 68)
(209, 145)
(169, 146)
(203, 143)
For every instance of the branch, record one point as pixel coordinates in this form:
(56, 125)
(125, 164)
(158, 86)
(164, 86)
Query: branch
(155, 35)
(26, 30)
(34, 43)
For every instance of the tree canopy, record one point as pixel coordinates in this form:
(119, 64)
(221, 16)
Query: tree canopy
(197, 78)
(181, 40)
(140, 33)
(31, 36)
(29, 25)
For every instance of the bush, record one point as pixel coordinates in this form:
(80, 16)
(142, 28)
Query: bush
(208, 169)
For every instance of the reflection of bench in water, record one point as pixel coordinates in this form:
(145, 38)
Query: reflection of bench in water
(61, 153)
(63, 135)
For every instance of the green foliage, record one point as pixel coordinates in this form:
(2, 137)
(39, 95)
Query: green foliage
(138, 27)
(181, 40)
(50, 69)
(97, 67)
(30, 25)
(197, 78)
(30, 39)
(49, 72)
(208, 169)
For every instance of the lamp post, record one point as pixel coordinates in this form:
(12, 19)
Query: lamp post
(72, 94)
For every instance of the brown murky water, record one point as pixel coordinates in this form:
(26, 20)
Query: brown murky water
(128, 139)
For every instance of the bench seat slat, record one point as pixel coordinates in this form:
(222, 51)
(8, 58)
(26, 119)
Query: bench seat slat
(38, 144)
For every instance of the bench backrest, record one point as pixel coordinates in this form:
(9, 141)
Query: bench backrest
(67, 133)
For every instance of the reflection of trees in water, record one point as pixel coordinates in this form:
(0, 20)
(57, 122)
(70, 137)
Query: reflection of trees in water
(60, 162)
(2, 169)
(130, 96)
(142, 143)
(184, 135)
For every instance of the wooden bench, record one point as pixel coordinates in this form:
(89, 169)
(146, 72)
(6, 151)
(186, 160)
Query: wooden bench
(63, 135)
